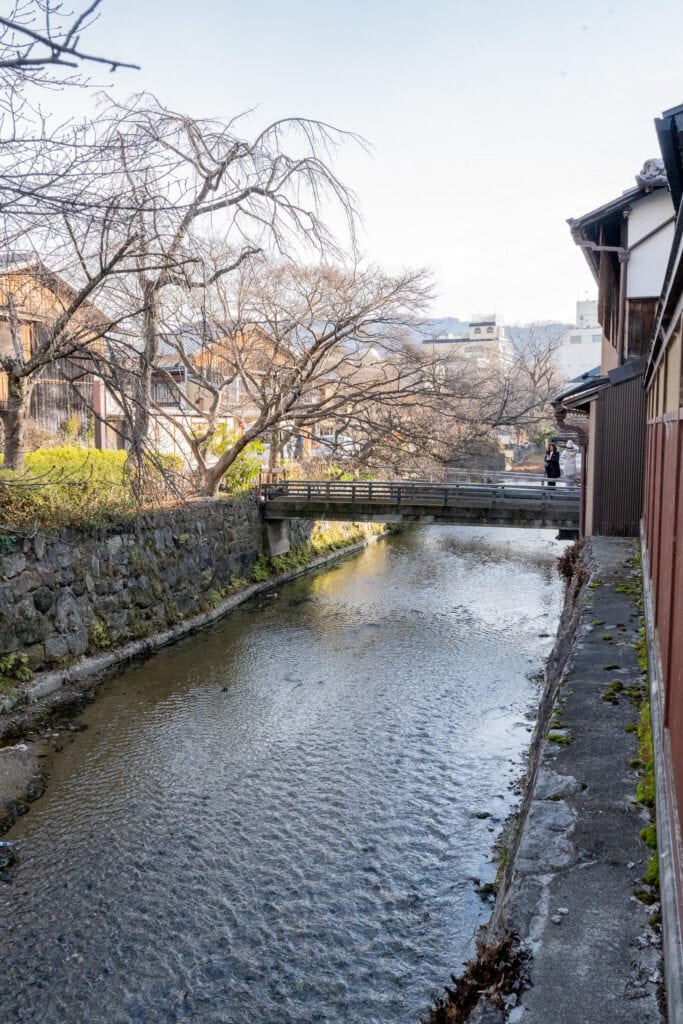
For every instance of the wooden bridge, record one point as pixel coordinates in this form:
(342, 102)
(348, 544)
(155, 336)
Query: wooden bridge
(510, 499)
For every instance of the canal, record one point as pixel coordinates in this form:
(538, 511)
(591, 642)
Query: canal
(279, 819)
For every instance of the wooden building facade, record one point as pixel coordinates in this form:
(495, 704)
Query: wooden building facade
(626, 243)
(663, 555)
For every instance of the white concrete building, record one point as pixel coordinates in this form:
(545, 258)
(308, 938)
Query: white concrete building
(485, 345)
(580, 348)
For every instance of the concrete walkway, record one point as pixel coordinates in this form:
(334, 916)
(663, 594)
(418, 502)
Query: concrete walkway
(580, 858)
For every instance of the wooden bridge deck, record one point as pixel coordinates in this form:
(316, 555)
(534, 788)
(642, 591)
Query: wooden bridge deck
(497, 503)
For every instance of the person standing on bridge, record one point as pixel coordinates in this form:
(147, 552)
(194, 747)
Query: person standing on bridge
(552, 464)
(568, 460)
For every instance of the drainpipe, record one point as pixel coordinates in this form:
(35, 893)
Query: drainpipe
(623, 255)
(621, 322)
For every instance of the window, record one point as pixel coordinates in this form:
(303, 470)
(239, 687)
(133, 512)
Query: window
(575, 339)
(162, 394)
(477, 330)
(597, 338)
(489, 330)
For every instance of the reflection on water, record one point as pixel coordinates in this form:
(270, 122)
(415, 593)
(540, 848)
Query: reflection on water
(278, 820)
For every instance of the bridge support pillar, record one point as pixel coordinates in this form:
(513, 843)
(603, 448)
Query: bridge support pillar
(277, 531)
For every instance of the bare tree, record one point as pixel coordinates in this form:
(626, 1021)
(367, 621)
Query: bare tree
(184, 179)
(38, 36)
(298, 347)
(50, 314)
(536, 375)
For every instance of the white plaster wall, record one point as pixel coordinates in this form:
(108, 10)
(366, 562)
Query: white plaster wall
(647, 264)
(576, 358)
(573, 360)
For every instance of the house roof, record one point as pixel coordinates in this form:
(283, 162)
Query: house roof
(609, 219)
(18, 261)
(612, 209)
(587, 375)
(669, 128)
(581, 394)
(30, 264)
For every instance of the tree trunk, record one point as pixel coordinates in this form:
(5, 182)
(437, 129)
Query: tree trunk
(143, 384)
(14, 421)
(212, 475)
(274, 453)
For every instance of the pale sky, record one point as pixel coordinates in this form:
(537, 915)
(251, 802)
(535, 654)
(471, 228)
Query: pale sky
(491, 122)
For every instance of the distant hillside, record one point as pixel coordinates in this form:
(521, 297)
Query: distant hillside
(448, 325)
(518, 333)
(443, 326)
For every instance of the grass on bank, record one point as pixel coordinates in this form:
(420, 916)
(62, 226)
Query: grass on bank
(645, 790)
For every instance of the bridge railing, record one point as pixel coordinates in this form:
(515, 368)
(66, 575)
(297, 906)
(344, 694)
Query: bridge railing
(415, 492)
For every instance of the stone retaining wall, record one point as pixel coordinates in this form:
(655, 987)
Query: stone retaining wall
(74, 592)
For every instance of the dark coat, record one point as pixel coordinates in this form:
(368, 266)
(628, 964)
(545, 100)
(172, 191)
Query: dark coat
(552, 465)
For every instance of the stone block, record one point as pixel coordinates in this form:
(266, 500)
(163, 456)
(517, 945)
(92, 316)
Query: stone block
(118, 624)
(114, 544)
(69, 558)
(39, 546)
(26, 582)
(68, 617)
(47, 577)
(78, 642)
(55, 648)
(105, 606)
(43, 599)
(186, 603)
(36, 656)
(32, 629)
(12, 565)
(9, 641)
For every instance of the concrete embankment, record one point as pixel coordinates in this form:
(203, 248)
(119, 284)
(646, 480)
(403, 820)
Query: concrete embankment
(573, 886)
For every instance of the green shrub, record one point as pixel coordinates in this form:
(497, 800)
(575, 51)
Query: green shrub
(13, 668)
(100, 637)
(61, 486)
(261, 569)
(70, 486)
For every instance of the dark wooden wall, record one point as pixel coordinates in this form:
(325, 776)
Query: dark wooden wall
(619, 441)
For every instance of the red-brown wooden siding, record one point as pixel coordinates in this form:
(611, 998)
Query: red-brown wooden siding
(663, 532)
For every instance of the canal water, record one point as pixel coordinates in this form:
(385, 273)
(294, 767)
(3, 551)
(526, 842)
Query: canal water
(279, 820)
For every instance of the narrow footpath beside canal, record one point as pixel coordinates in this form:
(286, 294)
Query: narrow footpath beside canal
(279, 819)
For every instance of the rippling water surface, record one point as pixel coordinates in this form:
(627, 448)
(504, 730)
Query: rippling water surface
(277, 820)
